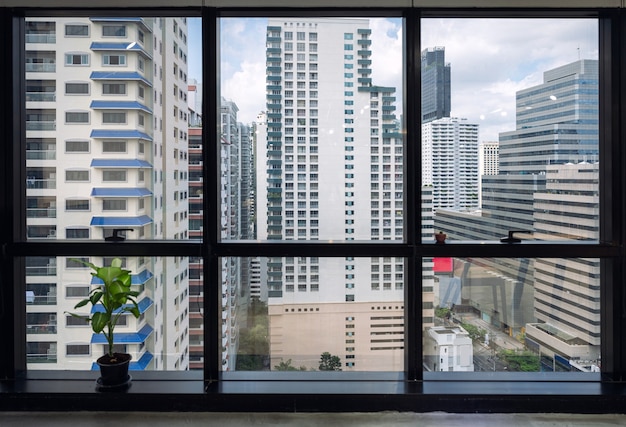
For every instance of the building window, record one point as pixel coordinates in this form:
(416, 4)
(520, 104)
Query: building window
(113, 117)
(77, 88)
(78, 349)
(77, 175)
(114, 31)
(76, 233)
(114, 88)
(114, 175)
(114, 205)
(76, 30)
(113, 59)
(76, 117)
(113, 146)
(76, 59)
(77, 205)
(76, 146)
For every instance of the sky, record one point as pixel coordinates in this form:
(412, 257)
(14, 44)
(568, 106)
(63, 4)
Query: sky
(490, 60)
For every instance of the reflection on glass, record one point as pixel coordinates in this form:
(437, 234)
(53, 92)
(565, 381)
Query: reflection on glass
(325, 126)
(109, 107)
(164, 337)
(515, 315)
(510, 127)
(340, 314)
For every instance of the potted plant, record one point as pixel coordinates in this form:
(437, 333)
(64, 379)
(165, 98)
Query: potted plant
(111, 299)
(441, 237)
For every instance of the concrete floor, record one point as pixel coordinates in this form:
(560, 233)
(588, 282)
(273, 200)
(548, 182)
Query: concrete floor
(386, 419)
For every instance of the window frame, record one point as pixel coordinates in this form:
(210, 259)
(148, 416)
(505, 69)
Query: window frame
(250, 391)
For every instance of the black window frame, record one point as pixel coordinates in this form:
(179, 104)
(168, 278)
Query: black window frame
(213, 390)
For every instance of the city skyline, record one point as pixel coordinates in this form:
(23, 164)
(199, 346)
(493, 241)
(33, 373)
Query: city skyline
(484, 78)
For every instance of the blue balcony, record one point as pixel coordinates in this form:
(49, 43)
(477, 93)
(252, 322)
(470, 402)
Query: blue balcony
(120, 221)
(119, 75)
(125, 337)
(364, 52)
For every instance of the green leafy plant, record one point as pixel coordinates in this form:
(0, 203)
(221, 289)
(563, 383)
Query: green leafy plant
(114, 295)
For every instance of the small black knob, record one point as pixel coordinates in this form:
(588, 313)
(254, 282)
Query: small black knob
(115, 237)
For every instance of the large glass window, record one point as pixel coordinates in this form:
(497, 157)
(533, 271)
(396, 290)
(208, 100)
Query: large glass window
(336, 165)
(512, 144)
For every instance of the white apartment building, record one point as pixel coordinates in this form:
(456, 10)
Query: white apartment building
(453, 349)
(450, 162)
(106, 139)
(488, 155)
(330, 167)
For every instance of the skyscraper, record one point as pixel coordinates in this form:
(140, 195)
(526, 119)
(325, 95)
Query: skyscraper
(436, 95)
(106, 136)
(450, 162)
(540, 188)
(330, 168)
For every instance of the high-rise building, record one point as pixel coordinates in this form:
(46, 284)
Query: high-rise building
(436, 95)
(537, 189)
(328, 171)
(106, 135)
(567, 291)
(450, 162)
(489, 157)
(488, 161)
(237, 273)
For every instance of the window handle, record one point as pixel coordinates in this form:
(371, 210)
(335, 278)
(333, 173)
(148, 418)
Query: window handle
(512, 239)
(116, 237)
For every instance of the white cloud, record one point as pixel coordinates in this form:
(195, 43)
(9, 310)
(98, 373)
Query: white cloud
(246, 87)
(490, 59)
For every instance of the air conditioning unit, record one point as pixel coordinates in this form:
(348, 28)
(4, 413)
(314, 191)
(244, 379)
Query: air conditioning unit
(52, 233)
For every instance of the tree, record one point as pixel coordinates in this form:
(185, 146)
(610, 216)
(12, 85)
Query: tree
(329, 362)
(521, 360)
(286, 366)
(474, 332)
(442, 312)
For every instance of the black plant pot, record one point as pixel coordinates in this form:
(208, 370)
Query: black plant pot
(114, 372)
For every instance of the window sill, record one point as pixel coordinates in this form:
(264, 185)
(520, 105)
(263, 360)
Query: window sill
(171, 391)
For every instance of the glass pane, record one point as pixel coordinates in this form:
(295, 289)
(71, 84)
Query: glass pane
(318, 98)
(313, 314)
(510, 127)
(110, 106)
(165, 336)
(513, 315)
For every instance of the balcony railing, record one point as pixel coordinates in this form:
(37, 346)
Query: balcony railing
(41, 38)
(44, 270)
(41, 96)
(36, 125)
(41, 213)
(41, 183)
(41, 329)
(41, 68)
(41, 154)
